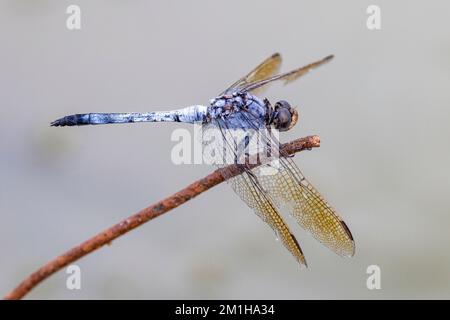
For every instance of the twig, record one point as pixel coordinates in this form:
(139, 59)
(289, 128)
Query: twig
(134, 221)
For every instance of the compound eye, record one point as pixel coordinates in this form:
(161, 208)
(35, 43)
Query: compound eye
(282, 104)
(283, 119)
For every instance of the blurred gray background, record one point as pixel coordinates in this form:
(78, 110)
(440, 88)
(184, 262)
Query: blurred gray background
(381, 109)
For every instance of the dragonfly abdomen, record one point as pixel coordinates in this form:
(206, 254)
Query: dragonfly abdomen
(188, 115)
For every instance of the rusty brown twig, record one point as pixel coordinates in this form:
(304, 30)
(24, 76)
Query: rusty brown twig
(140, 218)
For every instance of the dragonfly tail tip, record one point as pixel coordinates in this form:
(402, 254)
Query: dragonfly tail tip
(55, 123)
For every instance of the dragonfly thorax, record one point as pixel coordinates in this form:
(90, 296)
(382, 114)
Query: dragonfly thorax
(239, 110)
(246, 111)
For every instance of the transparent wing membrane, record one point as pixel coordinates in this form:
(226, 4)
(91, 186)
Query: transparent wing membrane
(288, 76)
(265, 69)
(250, 191)
(307, 206)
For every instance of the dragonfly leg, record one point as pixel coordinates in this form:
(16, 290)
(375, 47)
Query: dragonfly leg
(242, 147)
(270, 114)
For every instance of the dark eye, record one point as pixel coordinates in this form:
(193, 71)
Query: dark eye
(283, 119)
(283, 116)
(282, 104)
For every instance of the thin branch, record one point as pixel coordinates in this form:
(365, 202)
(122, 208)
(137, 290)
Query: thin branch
(134, 221)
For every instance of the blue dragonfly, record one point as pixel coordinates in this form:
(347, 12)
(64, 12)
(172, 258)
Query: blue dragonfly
(238, 109)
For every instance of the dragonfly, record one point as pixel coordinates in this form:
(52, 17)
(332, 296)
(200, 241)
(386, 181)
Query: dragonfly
(239, 109)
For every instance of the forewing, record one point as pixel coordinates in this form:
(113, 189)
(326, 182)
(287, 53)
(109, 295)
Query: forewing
(249, 189)
(264, 70)
(287, 77)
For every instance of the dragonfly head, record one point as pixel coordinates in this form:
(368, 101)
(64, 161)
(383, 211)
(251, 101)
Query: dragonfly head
(285, 116)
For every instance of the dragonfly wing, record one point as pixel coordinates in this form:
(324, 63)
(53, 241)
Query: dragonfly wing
(288, 76)
(288, 188)
(247, 185)
(265, 69)
(249, 190)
